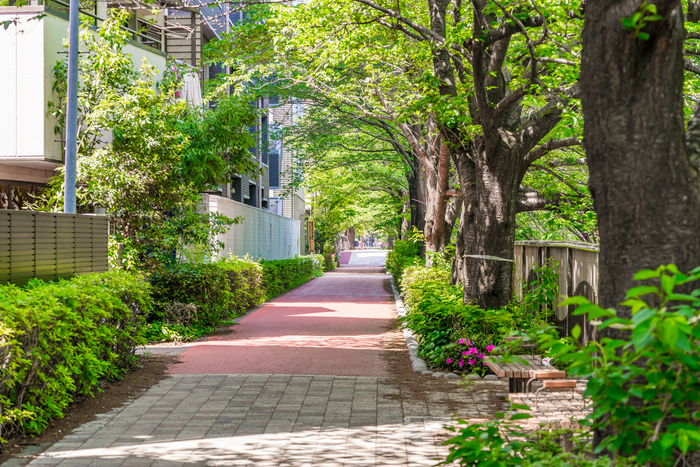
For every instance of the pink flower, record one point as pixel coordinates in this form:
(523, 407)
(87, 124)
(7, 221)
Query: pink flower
(468, 343)
(461, 363)
(484, 364)
(449, 360)
(473, 351)
(472, 361)
(465, 353)
(481, 356)
(461, 341)
(490, 348)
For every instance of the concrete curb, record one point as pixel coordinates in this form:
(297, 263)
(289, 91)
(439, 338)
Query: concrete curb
(418, 364)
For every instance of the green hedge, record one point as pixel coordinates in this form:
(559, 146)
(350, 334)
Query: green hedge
(206, 286)
(405, 253)
(191, 299)
(446, 328)
(282, 275)
(58, 340)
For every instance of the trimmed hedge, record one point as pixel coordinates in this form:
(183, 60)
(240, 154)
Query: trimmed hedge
(207, 286)
(193, 298)
(282, 275)
(58, 340)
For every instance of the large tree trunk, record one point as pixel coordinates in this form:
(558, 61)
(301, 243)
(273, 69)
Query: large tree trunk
(437, 183)
(416, 195)
(484, 256)
(645, 188)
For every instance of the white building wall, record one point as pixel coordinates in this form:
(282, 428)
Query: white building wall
(261, 234)
(28, 53)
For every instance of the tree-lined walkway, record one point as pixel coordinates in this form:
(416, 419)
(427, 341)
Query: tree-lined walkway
(319, 376)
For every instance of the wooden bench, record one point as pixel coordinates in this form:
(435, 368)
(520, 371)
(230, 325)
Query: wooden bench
(520, 375)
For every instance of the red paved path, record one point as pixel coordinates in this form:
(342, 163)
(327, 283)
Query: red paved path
(333, 325)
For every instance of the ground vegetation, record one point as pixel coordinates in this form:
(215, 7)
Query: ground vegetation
(59, 340)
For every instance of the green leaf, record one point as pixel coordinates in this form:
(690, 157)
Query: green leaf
(683, 442)
(520, 416)
(670, 332)
(577, 300)
(635, 292)
(576, 332)
(647, 274)
(667, 284)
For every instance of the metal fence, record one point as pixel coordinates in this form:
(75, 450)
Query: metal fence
(50, 245)
(578, 275)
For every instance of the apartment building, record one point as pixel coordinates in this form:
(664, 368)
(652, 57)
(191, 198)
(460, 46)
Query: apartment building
(30, 151)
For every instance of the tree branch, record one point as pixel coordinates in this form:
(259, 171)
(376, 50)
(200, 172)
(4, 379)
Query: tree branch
(558, 177)
(541, 151)
(422, 30)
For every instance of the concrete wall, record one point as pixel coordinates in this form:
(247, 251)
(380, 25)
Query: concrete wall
(262, 234)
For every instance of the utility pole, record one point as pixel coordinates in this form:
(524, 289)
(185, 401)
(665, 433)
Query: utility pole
(72, 109)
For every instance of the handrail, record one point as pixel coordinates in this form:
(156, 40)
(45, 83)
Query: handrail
(99, 18)
(560, 244)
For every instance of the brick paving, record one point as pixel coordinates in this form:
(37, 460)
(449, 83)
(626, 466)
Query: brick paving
(345, 405)
(555, 409)
(270, 420)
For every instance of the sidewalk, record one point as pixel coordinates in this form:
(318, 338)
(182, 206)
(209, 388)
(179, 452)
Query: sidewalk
(319, 376)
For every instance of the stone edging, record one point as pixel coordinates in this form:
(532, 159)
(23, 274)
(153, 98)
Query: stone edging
(418, 364)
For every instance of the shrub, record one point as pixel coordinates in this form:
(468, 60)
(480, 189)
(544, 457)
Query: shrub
(246, 282)
(207, 286)
(644, 384)
(456, 336)
(329, 256)
(282, 275)
(58, 340)
(405, 253)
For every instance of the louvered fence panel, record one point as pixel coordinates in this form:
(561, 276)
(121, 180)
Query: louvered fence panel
(50, 245)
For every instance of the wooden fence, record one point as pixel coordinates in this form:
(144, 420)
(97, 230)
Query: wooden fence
(578, 275)
(50, 245)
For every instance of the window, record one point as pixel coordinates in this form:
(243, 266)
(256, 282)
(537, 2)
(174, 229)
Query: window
(274, 169)
(236, 189)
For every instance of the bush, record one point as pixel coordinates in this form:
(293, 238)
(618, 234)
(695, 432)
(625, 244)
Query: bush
(405, 253)
(643, 385)
(329, 256)
(207, 286)
(457, 337)
(192, 299)
(282, 275)
(58, 340)
(246, 282)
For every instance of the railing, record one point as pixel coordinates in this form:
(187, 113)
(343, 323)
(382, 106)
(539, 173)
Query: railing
(50, 245)
(578, 275)
(148, 36)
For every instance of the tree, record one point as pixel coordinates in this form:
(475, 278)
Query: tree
(145, 156)
(502, 91)
(643, 159)
(324, 57)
